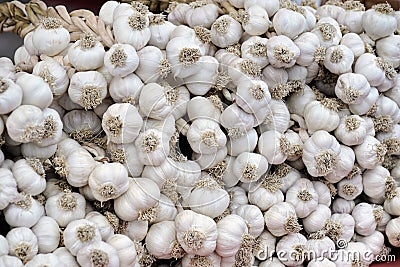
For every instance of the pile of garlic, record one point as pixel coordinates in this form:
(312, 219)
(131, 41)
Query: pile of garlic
(267, 135)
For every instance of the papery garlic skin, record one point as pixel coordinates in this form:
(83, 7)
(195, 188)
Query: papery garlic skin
(282, 52)
(249, 167)
(152, 147)
(316, 220)
(10, 261)
(281, 219)
(65, 207)
(10, 95)
(65, 256)
(121, 60)
(104, 223)
(122, 123)
(49, 259)
(8, 188)
(22, 243)
(196, 233)
(87, 53)
(35, 90)
(25, 212)
(370, 153)
(379, 21)
(125, 248)
(303, 197)
(201, 14)
(50, 37)
(253, 217)
(98, 253)
(87, 88)
(275, 152)
(324, 112)
(225, 31)
(354, 42)
(392, 231)
(161, 241)
(289, 22)
(292, 244)
(153, 64)
(231, 229)
(80, 233)
(33, 169)
(47, 233)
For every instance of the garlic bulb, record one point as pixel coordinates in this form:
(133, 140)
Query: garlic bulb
(87, 53)
(10, 95)
(328, 31)
(177, 14)
(293, 245)
(320, 154)
(205, 136)
(366, 224)
(81, 125)
(253, 217)
(353, 16)
(75, 167)
(331, 9)
(265, 193)
(393, 231)
(370, 153)
(65, 256)
(139, 202)
(289, 20)
(375, 242)
(52, 132)
(122, 123)
(340, 227)
(200, 83)
(121, 60)
(367, 104)
(255, 20)
(161, 241)
(252, 95)
(235, 120)
(104, 223)
(80, 233)
(183, 54)
(98, 253)
(25, 212)
(49, 259)
(47, 233)
(338, 59)
(255, 49)
(153, 64)
(157, 101)
(87, 88)
(325, 111)
(152, 147)
(341, 205)
(33, 169)
(7, 68)
(10, 261)
(356, 252)
(196, 233)
(106, 11)
(316, 220)
(8, 188)
(379, 21)
(131, 26)
(232, 230)
(201, 14)
(215, 202)
(308, 43)
(65, 207)
(249, 167)
(281, 219)
(225, 31)
(50, 37)
(22, 243)
(35, 90)
(352, 186)
(391, 203)
(282, 52)
(277, 117)
(125, 248)
(160, 30)
(245, 142)
(273, 261)
(202, 107)
(108, 181)
(303, 197)
(275, 154)
(354, 42)
(352, 130)
(387, 48)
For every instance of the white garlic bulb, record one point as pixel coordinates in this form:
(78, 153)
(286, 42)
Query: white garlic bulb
(354, 42)
(49, 259)
(275, 152)
(293, 245)
(25, 212)
(370, 153)
(376, 69)
(232, 230)
(392, 231)
(316, 220)
(87, 88)
(10, 95)
(328, 31)
(379, 21)
(252, 95)
(201, 14)
(108, 181)
(122, 123)
(139, 202)
(249, 167)
(81, 125)
(131, 26)
(121, 60)
(125, 248)
(196, 233)
(200, 83)
(126, 89)
(22, 243)
(325, 111)
(256, 21)
(161, 241)
(153, 64)
(340, 226)
(152, 147)
(33, 169)
(50, 37)
(289, 20)
(255, 49)
(253, 217)
(66, 207)
(225, 31)
(8, 188)
(104, 223)
(265, 193)
(366, 217)
(281, 219)
(282, 52)
(324, 160)
(10, 261)
(98, 253)
(87, 53)
(303, 197)
(35, 90)
(277, 117)
(47, 233)
(65, 256)
(208, 198)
